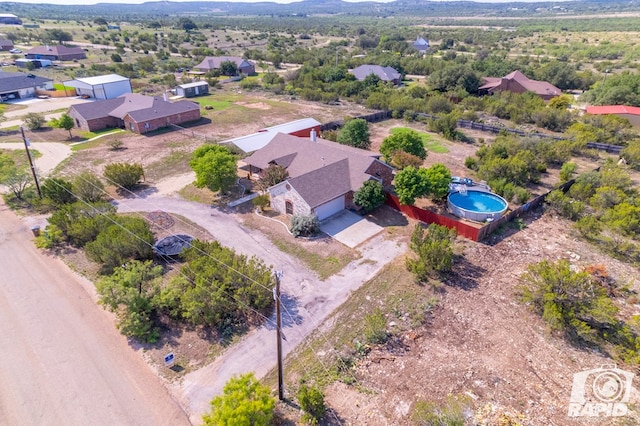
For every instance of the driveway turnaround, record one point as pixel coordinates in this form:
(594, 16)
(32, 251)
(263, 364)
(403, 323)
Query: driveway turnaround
(307, 300)
(63, 361)
(349, 228)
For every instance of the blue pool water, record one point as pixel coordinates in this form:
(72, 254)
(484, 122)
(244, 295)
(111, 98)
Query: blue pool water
(478, 206)
(477, 201)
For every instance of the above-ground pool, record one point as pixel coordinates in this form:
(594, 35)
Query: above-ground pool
(476, 205)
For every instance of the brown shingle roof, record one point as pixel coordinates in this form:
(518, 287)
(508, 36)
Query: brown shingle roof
(321, 170)
(516, 78)
(59, 50)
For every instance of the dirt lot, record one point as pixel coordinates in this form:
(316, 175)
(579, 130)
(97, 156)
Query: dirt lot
(480, 343)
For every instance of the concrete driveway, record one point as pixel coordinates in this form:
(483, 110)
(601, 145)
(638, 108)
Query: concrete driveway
(42, 106)
(349, 228)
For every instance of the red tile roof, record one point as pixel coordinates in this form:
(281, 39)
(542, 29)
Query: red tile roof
(613, 109)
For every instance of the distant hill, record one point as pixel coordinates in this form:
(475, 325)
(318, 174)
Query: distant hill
(410, 8)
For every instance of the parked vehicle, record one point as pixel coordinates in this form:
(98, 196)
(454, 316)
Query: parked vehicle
(15, 51)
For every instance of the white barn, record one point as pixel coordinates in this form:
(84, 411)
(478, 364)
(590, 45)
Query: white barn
(101, 87)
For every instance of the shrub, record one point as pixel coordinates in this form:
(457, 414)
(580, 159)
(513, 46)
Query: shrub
(403, 159)
(567, 170)
(261, 201)
(370, 196)
(471, 163)
(59, 191)
(434, 251)
(521, 195)
(455, 411)
(564, 205)
(115, 144)
(312, 403)
(304, 226)
(355, 132)
(124, 175)
(375, 327)
(34, 120)
(88, 187)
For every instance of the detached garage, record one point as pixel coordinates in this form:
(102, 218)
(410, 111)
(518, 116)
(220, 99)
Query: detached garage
(101, 87)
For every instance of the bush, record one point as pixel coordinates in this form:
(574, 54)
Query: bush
(88, 187)
(355, 132)
(34, 120)
(115, 144)
(567, 170)
(261, 201)
(59, 191)
(304, 226)
(455, 411)
(124, 175)
(312, 403)
(375, 327)
(434, 251)
(471, 163)
(370, 196)
(564, 205)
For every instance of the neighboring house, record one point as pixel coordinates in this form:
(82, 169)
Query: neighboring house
(421, 45)
(190, 90)
(20, 85)
(56, 53)
(9, 19)
(6, 45)
(518, 83)
(631, 113)
(255, 141)
(323, 175)
(244, 66)
(101, 87)
(135, 112)
(386, 74)
(37, 63)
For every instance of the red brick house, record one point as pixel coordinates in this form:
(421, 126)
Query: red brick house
(518, 83)
(323, 175)
(134, 112)
(56, 53)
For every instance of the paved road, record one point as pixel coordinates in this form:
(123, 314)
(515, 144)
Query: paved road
(308, 301)
(62, 361)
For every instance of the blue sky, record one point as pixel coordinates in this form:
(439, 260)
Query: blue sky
(86, 2)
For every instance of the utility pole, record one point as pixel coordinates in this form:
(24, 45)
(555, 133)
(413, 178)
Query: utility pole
(276, 296)
(33, 168)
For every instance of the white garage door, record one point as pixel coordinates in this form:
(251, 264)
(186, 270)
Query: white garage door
(330, 208)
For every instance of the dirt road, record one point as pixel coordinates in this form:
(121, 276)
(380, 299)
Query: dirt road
(53, 153)
(307, 300)
(63, 362)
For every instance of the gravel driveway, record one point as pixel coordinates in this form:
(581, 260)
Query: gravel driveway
(308, 301)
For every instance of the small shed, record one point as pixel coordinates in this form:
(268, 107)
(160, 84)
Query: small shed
(191, 90)
(108, 86)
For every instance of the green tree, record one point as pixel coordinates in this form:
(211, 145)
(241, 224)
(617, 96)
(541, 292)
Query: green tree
(215, 167)
(439, 177)
(228, 68)
(411, 183)
(123, 175)
(34, 120)
(56, 35)
(58, 190)
(64, 122)
(567, 170)
(273, 175)
(631, 154)
(407, 140)
(129, 293)
(88, 187)
(244, 402)
(128, 239)
(304, 225)
(116, 57)
(312, 403)
(186, 24)
(570, 302)
(433, 250)
(446, 125)
(355, 132)
(370, 196)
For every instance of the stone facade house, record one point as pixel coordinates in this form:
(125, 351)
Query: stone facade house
(323, 175)
(134, 112)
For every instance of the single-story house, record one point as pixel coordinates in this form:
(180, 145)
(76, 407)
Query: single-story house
(101, 87)
(21, 85)
(37, 63)
(189, 90)
(5, 45)
(518, 83)
(421, 45)
(323, 175)
(244, 66)
(386, 74)
(56, 53)
(631, 113)
(135, 112)
(255, 141)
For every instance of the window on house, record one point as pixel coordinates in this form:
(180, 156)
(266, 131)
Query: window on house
(288, 207)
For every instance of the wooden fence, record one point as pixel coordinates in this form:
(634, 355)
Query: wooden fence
(369, 118)
(57, 93)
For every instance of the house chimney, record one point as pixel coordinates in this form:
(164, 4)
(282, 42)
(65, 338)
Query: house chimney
(313, 135)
